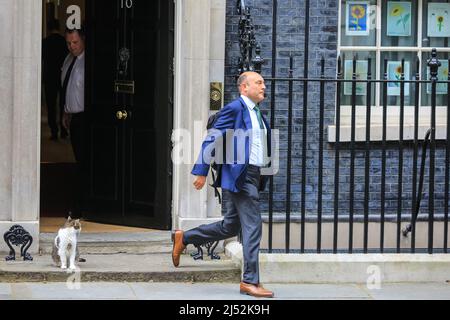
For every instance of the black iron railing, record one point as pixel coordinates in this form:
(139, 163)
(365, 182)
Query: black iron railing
(345, 211)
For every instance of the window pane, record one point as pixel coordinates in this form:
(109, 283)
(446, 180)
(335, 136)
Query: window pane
(394, 70)
(441, 88)
(358, 23)
(361, 74)
(399, 24)
(436, 23)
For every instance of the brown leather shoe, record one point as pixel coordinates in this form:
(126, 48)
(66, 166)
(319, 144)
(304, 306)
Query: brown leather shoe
(178, 246)
(255, 290)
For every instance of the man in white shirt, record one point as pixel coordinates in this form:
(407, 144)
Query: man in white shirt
(72, 100)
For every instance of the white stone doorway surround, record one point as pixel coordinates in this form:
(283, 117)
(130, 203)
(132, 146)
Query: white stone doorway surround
(199, 60)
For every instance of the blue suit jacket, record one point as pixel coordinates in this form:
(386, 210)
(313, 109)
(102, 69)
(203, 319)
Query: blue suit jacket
(235, 116)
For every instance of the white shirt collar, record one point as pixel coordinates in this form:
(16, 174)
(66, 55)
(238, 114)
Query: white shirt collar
(81, 56)
(248, 102)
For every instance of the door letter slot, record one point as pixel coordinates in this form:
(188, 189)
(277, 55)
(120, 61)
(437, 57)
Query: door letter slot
(124, 86)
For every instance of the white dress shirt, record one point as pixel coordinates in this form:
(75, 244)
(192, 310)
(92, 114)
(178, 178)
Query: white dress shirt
(258, 136)
(75, 87)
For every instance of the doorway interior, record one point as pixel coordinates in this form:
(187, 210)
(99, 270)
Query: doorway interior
(129, 52)
(58, 164)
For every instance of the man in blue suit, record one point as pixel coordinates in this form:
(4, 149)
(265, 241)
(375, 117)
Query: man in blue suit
(240, 179)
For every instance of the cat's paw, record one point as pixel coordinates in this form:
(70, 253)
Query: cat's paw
(73, 268)
(64, 267)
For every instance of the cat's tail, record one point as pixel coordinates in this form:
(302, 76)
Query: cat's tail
(57, 242)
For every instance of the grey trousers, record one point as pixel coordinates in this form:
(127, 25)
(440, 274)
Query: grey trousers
(241, 212)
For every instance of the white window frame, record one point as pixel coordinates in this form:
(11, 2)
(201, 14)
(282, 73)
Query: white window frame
(393, 121)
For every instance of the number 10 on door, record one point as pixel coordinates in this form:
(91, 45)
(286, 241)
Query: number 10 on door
(126, 4)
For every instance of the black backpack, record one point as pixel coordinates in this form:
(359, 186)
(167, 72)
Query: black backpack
(216, 169)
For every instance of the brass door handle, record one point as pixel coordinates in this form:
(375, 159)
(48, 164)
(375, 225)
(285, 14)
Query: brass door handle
(122, 115)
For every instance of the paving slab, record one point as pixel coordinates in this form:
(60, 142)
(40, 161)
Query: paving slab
(83, 291)
(318, 291)
(22, 292)
(423, 291)
(5, 289)
(188, 291)
(203, 291)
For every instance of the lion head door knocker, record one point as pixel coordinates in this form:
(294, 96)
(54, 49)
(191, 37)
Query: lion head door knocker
(124, 57)
(17, 236)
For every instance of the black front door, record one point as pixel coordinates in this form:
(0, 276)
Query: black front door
(129, 90)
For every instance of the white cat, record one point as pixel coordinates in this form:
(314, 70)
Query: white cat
(65, 244)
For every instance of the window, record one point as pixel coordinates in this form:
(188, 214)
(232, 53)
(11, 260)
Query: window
(393, 30)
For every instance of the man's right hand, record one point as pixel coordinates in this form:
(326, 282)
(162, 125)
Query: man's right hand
(199, 182)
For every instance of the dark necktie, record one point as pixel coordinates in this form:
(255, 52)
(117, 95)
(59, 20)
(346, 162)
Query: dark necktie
(259, 115)
(62, 97)
(262, 127)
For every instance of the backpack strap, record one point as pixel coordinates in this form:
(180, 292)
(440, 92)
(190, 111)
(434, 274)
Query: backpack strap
(214, 185)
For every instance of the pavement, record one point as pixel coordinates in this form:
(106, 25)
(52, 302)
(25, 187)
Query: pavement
(72, 290)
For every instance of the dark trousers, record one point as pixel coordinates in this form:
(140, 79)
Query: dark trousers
(77, 138)
(51, 99)
(241, 212)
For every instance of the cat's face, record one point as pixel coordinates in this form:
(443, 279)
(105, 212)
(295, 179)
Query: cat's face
(72, 223)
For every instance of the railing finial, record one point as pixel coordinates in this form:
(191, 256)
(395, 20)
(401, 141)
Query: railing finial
(434, 64)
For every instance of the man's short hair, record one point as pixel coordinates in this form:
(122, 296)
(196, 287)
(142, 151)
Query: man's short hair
(242, 78)
(80, 31)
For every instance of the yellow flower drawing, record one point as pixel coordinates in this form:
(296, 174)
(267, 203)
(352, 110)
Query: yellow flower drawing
(442, 76)
(358, 12)
(399, 11)
(396, 11)
(440, 21)
(398, 75)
